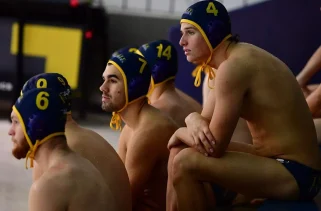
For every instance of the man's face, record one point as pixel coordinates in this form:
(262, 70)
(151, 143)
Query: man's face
(20, 144)
(194, 45)
(113, 90)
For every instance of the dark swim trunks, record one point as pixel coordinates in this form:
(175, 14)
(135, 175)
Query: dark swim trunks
(308, 179)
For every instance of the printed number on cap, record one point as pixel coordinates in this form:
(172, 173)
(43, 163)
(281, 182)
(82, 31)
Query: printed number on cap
(211, 8)
(143, 65)
(42, 101)
(62, 81)
(41, 83)
(166, 53)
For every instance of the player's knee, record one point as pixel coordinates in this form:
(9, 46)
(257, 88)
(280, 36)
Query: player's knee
(176, 149)
(183, 164)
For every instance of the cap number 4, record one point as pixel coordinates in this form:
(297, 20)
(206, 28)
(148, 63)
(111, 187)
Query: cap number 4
(211, 8)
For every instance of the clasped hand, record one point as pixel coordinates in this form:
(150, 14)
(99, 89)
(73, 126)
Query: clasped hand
(197, 135)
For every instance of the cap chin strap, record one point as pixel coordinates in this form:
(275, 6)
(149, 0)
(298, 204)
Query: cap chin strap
(31, 154)
(33, 148)
(197, 72)
(115, 122)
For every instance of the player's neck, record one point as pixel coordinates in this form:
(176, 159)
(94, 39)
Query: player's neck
(47, 152)
(160, 90)
(131, 114)
(221, 54)
(70, 121)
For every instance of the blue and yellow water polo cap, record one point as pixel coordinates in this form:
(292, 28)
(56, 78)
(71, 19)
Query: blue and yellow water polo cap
(136, 75)
(213, 22)
(161, 56)
(42, 115)
(54, 81)
(130, 48)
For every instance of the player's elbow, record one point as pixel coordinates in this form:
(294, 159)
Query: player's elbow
(220, 148)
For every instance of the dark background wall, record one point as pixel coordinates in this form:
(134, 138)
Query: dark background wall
(127, 30)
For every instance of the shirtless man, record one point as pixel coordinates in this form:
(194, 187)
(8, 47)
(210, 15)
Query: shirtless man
(143, 148)
(68, 181)
(284, 161)
(161, 56)
(87, 143)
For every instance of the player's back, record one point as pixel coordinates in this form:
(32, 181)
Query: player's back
(274, 106)
(73, 184)
(177, 105)
(102, 155)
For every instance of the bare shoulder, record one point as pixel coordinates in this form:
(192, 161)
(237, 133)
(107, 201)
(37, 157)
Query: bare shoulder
(93, 134)
(45, 193)
(77, 137)
(149, 141)
(57, 176)
(235, 71)
(155, 131)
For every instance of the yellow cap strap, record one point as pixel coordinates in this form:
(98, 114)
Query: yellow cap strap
(31, 154)
(115, 122)
(197, 72)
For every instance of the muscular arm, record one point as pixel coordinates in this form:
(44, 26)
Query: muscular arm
(45, 195)
(311, 68)
(231, 85)
(143, 151)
